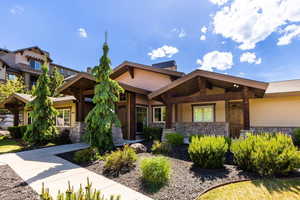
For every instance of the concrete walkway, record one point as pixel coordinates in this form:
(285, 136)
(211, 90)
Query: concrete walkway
(42, 166)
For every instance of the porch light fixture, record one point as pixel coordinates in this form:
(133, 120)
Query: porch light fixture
(236, 85)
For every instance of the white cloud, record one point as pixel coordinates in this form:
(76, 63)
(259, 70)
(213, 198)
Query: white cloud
(250, 58)
(17, 10)
(248, 22)
(202, 37)
(290, 32)
(82, 33)
(164, 51)
(218, 2)
(215, 59)
(204, 29)
(180, 32)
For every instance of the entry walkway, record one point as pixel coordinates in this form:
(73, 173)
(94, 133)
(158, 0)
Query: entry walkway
(43, 166)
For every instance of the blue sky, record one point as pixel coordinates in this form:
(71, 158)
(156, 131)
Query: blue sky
(256, 39)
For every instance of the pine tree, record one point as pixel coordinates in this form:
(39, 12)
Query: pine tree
(43, 114)
(101, 118)
(56, 80)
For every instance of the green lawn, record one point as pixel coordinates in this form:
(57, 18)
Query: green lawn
(9, 145)
(267, 189)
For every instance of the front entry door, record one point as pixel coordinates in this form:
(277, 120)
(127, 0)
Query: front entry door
(235, 118)
(122, 115)
(141, 118)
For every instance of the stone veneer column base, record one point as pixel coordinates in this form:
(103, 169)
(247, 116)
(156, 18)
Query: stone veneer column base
(77, 131)
(165, 132)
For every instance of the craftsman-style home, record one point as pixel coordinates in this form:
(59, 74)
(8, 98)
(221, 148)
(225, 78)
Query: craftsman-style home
(200, 102)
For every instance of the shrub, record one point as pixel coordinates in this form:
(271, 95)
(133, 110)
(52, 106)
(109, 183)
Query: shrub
(155, 171)
(194, 135)
(296, 136)
(152, 133)
(266, 154)
(62, 138)
(120, 161)
(84, 193)
(208, 151)
(86, 155)
(161, 147)
(174, 139)
(17, 132)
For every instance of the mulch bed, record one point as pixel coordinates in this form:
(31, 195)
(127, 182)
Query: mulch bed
(186, 183)
(12, 187)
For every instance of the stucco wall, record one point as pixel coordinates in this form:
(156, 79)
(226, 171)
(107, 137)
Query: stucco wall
(145, 79)
(58, 106)
(185, 112)
(275, 112)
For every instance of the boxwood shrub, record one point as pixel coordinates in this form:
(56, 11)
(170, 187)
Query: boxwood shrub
(296, 137)
(266, 154)
(161, 147)
(152, 133)
(208, 151)
(155, 171)
(86, 155)
(175, 139)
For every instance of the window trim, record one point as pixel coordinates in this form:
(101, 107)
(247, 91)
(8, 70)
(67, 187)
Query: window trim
(153, 113)
(64, 108)
(207, 104)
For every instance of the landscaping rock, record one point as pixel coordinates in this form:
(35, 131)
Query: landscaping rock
(139, 148)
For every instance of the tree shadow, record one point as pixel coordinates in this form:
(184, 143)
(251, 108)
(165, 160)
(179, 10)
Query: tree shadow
(209, 174)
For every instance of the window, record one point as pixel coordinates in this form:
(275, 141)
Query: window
(12, 76)
(35, 64)
(159, 114)
(203, 113)
(64, 117)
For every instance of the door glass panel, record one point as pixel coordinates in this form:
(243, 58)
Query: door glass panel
(141, 118)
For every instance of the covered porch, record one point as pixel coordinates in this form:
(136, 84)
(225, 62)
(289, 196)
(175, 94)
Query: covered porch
(205, 102)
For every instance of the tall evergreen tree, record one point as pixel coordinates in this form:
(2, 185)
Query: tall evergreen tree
(43, 113)
(56, 80)
(101, 118)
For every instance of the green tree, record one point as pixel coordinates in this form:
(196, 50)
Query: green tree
(56, 80)
(10, 87)
(100, 119)
(43, 114)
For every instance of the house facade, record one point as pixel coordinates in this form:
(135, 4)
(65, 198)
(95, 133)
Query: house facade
(200, 102)
(26, 63)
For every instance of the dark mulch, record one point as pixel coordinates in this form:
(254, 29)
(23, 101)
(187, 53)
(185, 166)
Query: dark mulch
(186, 183)
(12, 187)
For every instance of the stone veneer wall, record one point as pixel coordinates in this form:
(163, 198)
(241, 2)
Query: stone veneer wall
(202, 128)
(77, 131)
(157, 125)
(286, 130)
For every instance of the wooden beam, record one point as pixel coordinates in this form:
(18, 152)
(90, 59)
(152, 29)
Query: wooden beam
(169, 116)
(202, 85)
(132, 115)
(246, 108)
(212, 97)
(131, 71)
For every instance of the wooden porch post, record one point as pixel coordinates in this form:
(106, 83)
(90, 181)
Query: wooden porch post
(16, 117)
(132, 115)
(80, 106)
(169, 115)
(246, 109)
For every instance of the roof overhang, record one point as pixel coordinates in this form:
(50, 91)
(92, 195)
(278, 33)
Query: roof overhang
(221, 79)
(127, 66)
(86, 81)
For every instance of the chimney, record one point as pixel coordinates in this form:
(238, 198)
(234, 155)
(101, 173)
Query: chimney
(89, 70)
(170, 65)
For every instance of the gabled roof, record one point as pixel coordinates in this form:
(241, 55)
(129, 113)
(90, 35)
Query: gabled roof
(33, 47)
(89, 77)
(122, 68)
(210, 75)
(26, 98)
(283, 87)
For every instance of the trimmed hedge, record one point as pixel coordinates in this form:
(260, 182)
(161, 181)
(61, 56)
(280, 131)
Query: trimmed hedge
(17, 132)
(266, 154)
(161, 147)
(208, 151)
(86, 155)
(152, 133)
(175, 139)
(296, 136)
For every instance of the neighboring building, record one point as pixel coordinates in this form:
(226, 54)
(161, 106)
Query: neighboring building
(200, 102)
(26, 63)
